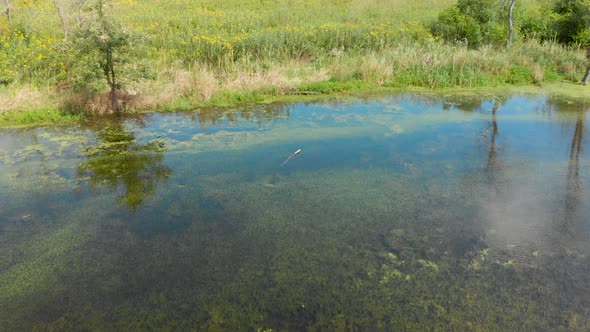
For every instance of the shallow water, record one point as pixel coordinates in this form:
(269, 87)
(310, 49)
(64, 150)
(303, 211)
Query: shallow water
(402, 212)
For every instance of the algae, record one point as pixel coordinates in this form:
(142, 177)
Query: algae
(387, 220)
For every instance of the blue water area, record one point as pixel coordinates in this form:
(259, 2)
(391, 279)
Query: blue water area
(404, 212)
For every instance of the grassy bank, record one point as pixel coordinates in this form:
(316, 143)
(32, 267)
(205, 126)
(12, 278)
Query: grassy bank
(187, 55)
(564, 90)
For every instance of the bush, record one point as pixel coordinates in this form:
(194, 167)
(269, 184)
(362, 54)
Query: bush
(539, 24)
(573, 22)
(477, 21)
(453, 25)
(483, 11)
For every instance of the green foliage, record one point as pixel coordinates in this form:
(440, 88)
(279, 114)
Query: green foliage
(573, 22)
(538, 22)
(454, 25)
(519, 74)
(154, 42)
(332, 86)
(38, 117)
(483, 11)
(29, 58)
(102, 49)
(210, 32)
(477, 21)
(442, 76)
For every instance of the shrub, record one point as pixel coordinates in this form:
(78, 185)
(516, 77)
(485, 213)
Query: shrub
(573, 22)
(477, 21)
(453, 25)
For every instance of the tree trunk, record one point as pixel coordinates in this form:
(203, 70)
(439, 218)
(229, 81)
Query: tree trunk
(112, 80)
(586, 78)
(8, 13)
(61, 17)
(109, 65)
(109, 73)
(115, 100)
(510, 22)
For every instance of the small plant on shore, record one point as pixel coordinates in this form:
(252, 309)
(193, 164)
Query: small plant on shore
(102, 48)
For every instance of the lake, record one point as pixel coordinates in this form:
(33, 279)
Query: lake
(412, 211)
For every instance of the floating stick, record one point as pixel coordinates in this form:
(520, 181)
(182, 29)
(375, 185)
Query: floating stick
(291, 156)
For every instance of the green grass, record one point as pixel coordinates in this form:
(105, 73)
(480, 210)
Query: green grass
(37, 117)
(332, 86)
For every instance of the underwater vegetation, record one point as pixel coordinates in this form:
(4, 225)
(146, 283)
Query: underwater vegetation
(266, 262)
(392, 217)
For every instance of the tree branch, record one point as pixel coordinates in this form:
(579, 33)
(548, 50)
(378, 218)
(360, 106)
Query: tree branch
(61, 17)
(8, 13)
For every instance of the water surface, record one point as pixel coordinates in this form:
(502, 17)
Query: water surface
(401, 212)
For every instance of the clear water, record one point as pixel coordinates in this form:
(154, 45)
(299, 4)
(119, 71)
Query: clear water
(401, 212)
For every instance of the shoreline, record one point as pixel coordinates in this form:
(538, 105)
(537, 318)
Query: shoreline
(54, 115)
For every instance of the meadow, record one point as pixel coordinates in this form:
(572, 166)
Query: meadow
(185, 54)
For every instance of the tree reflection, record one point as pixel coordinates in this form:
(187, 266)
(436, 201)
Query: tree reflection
(573, 187)
(492, 164)
(118, 160)
(259, 114)
(569, 260)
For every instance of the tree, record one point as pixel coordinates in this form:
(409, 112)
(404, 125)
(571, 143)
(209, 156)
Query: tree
(454, 25)
(477, 21)
(108, 41)
(81, 9)
(510, 22)
(587, 75)
(573, 26)
(74, 13)
(102, 45)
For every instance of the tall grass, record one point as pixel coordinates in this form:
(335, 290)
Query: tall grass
(214, 32)
(199, 52)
